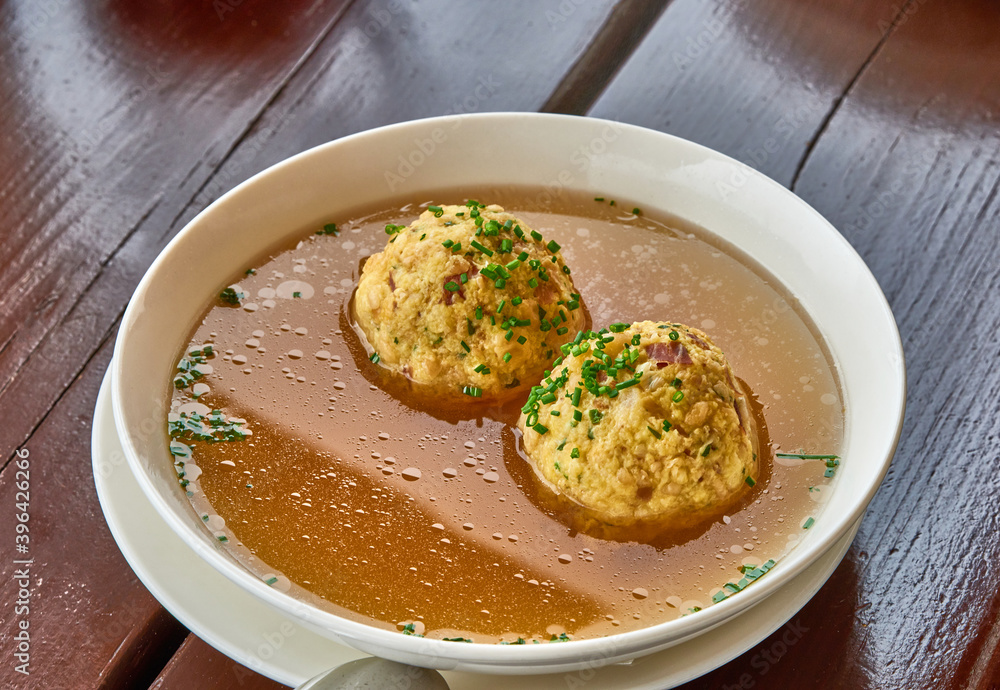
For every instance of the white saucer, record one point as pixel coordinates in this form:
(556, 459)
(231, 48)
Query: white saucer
(257, 636)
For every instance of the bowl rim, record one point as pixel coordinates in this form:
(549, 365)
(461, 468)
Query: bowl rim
(625, 644)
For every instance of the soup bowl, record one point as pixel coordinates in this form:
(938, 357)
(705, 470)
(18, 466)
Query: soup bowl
(790, 240)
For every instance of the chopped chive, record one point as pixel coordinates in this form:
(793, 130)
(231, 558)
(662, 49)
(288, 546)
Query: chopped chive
(562, 331)
(533, 283)
(472, 391)
(506, 245)
(516, 301)
(540, 428)
(485, 250)
(553, 246)
(598, 198)
(457, 247)
(465, 346)
(636, 212)
(436, 210)
(374, 358)
(595, 416)
(296, 294)
(808, 523)
(676, 383)
(230, 296)
(678, 396)
(673, 335)
(500, 284)
(452, 286)
(750, 481)
(708, 449)
(270, 581)
(575, 453)
(536, 236)
(447, 243)
(617, 327)
(508, 335)
(654, 432)
(666, 425)
(479, 312)
(555, 413)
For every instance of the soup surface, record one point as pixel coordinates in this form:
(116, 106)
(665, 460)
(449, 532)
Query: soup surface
(334, 480)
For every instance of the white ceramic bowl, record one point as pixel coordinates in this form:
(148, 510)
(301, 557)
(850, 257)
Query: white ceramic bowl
(657, 171)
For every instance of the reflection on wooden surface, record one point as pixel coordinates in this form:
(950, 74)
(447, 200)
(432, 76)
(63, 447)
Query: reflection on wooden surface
(121, 120)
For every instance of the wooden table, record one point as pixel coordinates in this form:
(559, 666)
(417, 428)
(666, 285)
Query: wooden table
(122, 119)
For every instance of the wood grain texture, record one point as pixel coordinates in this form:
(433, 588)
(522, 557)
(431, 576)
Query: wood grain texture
(753, 80)
(91, 623)
(909, 169)
(197, 665)
(107, 128)
(121, 120)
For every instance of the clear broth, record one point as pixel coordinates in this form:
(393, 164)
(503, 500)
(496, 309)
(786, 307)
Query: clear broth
(391, 510)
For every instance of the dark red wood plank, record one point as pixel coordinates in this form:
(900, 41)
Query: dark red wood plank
(89, 621)
(197, 665)
(112, 112)
(109, 108)
(909, 170)
(753, 80)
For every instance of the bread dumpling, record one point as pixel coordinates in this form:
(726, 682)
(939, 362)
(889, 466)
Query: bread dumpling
(467, 300)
